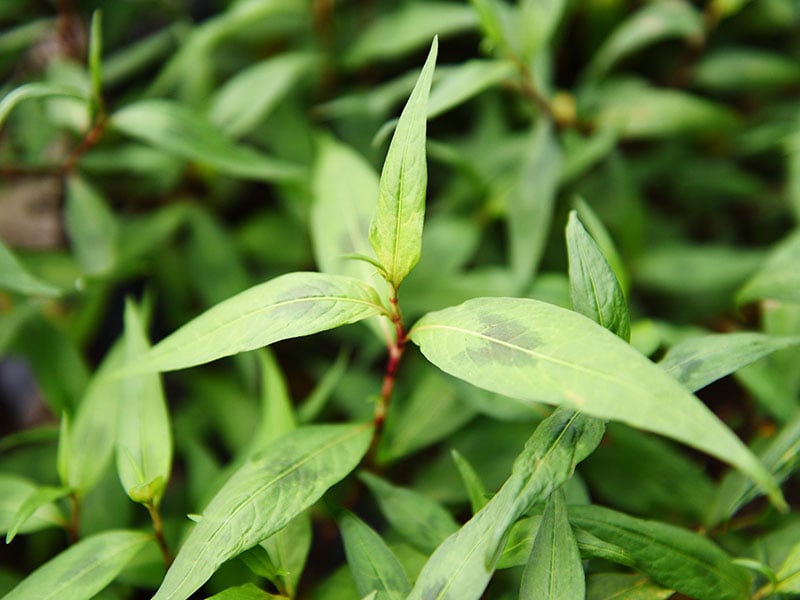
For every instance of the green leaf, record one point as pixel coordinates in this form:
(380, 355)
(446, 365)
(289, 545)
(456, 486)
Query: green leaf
(554, 569)
(745, 70)
(83, 569)
(17, 490)
(788, 575)
(462, 565)
(531, 200)
(651, 24)
(594, 288)
(457, 85)
(248, 591)
(288, 306)
(91, 227)
(288, 550)
(262, 497)
(698, 361)
(396, 34)
(538, 21)
(95, 56)
(598, 231)
(37, 90)
(622, 586)
(420, 520)
(673, 557)
(33, 503)
(248, 97)
(478, 495)
(14, 277)
(778, 278)
(144, 438)
(496, 26)
(176, 129)
(373, 564)
(537, 352)
(396, 229)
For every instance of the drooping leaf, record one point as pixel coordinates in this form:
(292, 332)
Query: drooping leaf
(396, 229)
(37, 90)
(538, 352)
(554, 570)
(14, 277)
(83, 569)
(288, 306)
(262, 497)
(468, 79)
(673, 557)
(38, 499)
(420, 520)
(178, 130)
(778, 278)
(698, 361)
(594, 288)
(373, 564)
(17, 490)
(462, 565)
(91, 226)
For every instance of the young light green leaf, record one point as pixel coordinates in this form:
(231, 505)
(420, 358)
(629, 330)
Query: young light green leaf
(262, 497)
(144, 438)
(174, 128)
(33, 503)
(373, 564)
(769, 388)
(651, 24)
(288, 306)
(288, 550)
(698, 361)
(601, 235)
(778, 278)
(91, 227)
(788, 575)
(420, 520)
(82, 570)
(462, 565)
(396, 228)
(594, 288)
(248, 97)
(537, 352)
(745, 70)
(554, 570)
(476, 490)
(14, 277)
(538, 21)
(624, 586)
(95, 57)
(673, 557)
(458, 85)
(531, 201)
(248, 591)
(37, 90)
(16, 490)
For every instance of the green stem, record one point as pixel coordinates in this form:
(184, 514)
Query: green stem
(158, 531)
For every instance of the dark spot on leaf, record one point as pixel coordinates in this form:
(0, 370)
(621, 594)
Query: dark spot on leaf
(688, 369)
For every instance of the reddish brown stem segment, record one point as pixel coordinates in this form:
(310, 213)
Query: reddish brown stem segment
(395, 354)
(158, 531)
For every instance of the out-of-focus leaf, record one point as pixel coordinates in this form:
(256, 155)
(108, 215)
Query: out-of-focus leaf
(132, 58)
(248, 97)
(322, 392)
(95, 57)
(396, 229)
(373, 564)
(537, 24)
(594, 288)
(262, 497)
(83, 569)
(178, 130)
(788, 575)
(16, 491)
(37, 90)
(478, 495)
(144, 437)
(462, 565)
(410, 28)
(581, 154)
(745, 70)
(39, 498)
(653, 23)
(421, 521)
(770, 389)
(288, 306)
(638, 111)
(248, 591)
(14, 277)
(778, 278)
(698, 361)
(494, 17)
(91, 227)
(673, 557)
(554, 569)
(537, 352)
(622, 586)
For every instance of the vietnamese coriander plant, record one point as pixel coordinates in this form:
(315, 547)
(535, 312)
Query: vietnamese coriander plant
(489, 429)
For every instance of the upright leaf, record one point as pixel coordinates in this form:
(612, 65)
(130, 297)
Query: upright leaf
(91, 227)
(594, 288)
(288, 306)
(82, 570)
(554, 570)
(396, 229)
(779, 277)
(262, 497)
(537, 352)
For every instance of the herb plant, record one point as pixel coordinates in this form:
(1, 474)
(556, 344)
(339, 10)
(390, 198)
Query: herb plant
(567, 368)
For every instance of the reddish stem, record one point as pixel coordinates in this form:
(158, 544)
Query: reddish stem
(396, 349)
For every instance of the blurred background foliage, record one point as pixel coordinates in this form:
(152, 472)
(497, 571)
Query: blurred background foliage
(180, 153)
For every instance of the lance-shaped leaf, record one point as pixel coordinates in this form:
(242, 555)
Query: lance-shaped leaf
(16, 491)
(82, 570)
(671, 556)
(33, 503)
(372, 562)
(144, 438)
(462, 565)
(14, 277)
(91, 227)
(288, 306)
(554, 570)
(262, 497)
(37, 90)
(396, 229)
(594, 288)
(779, 277)
(698, 361)
(538, 352)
